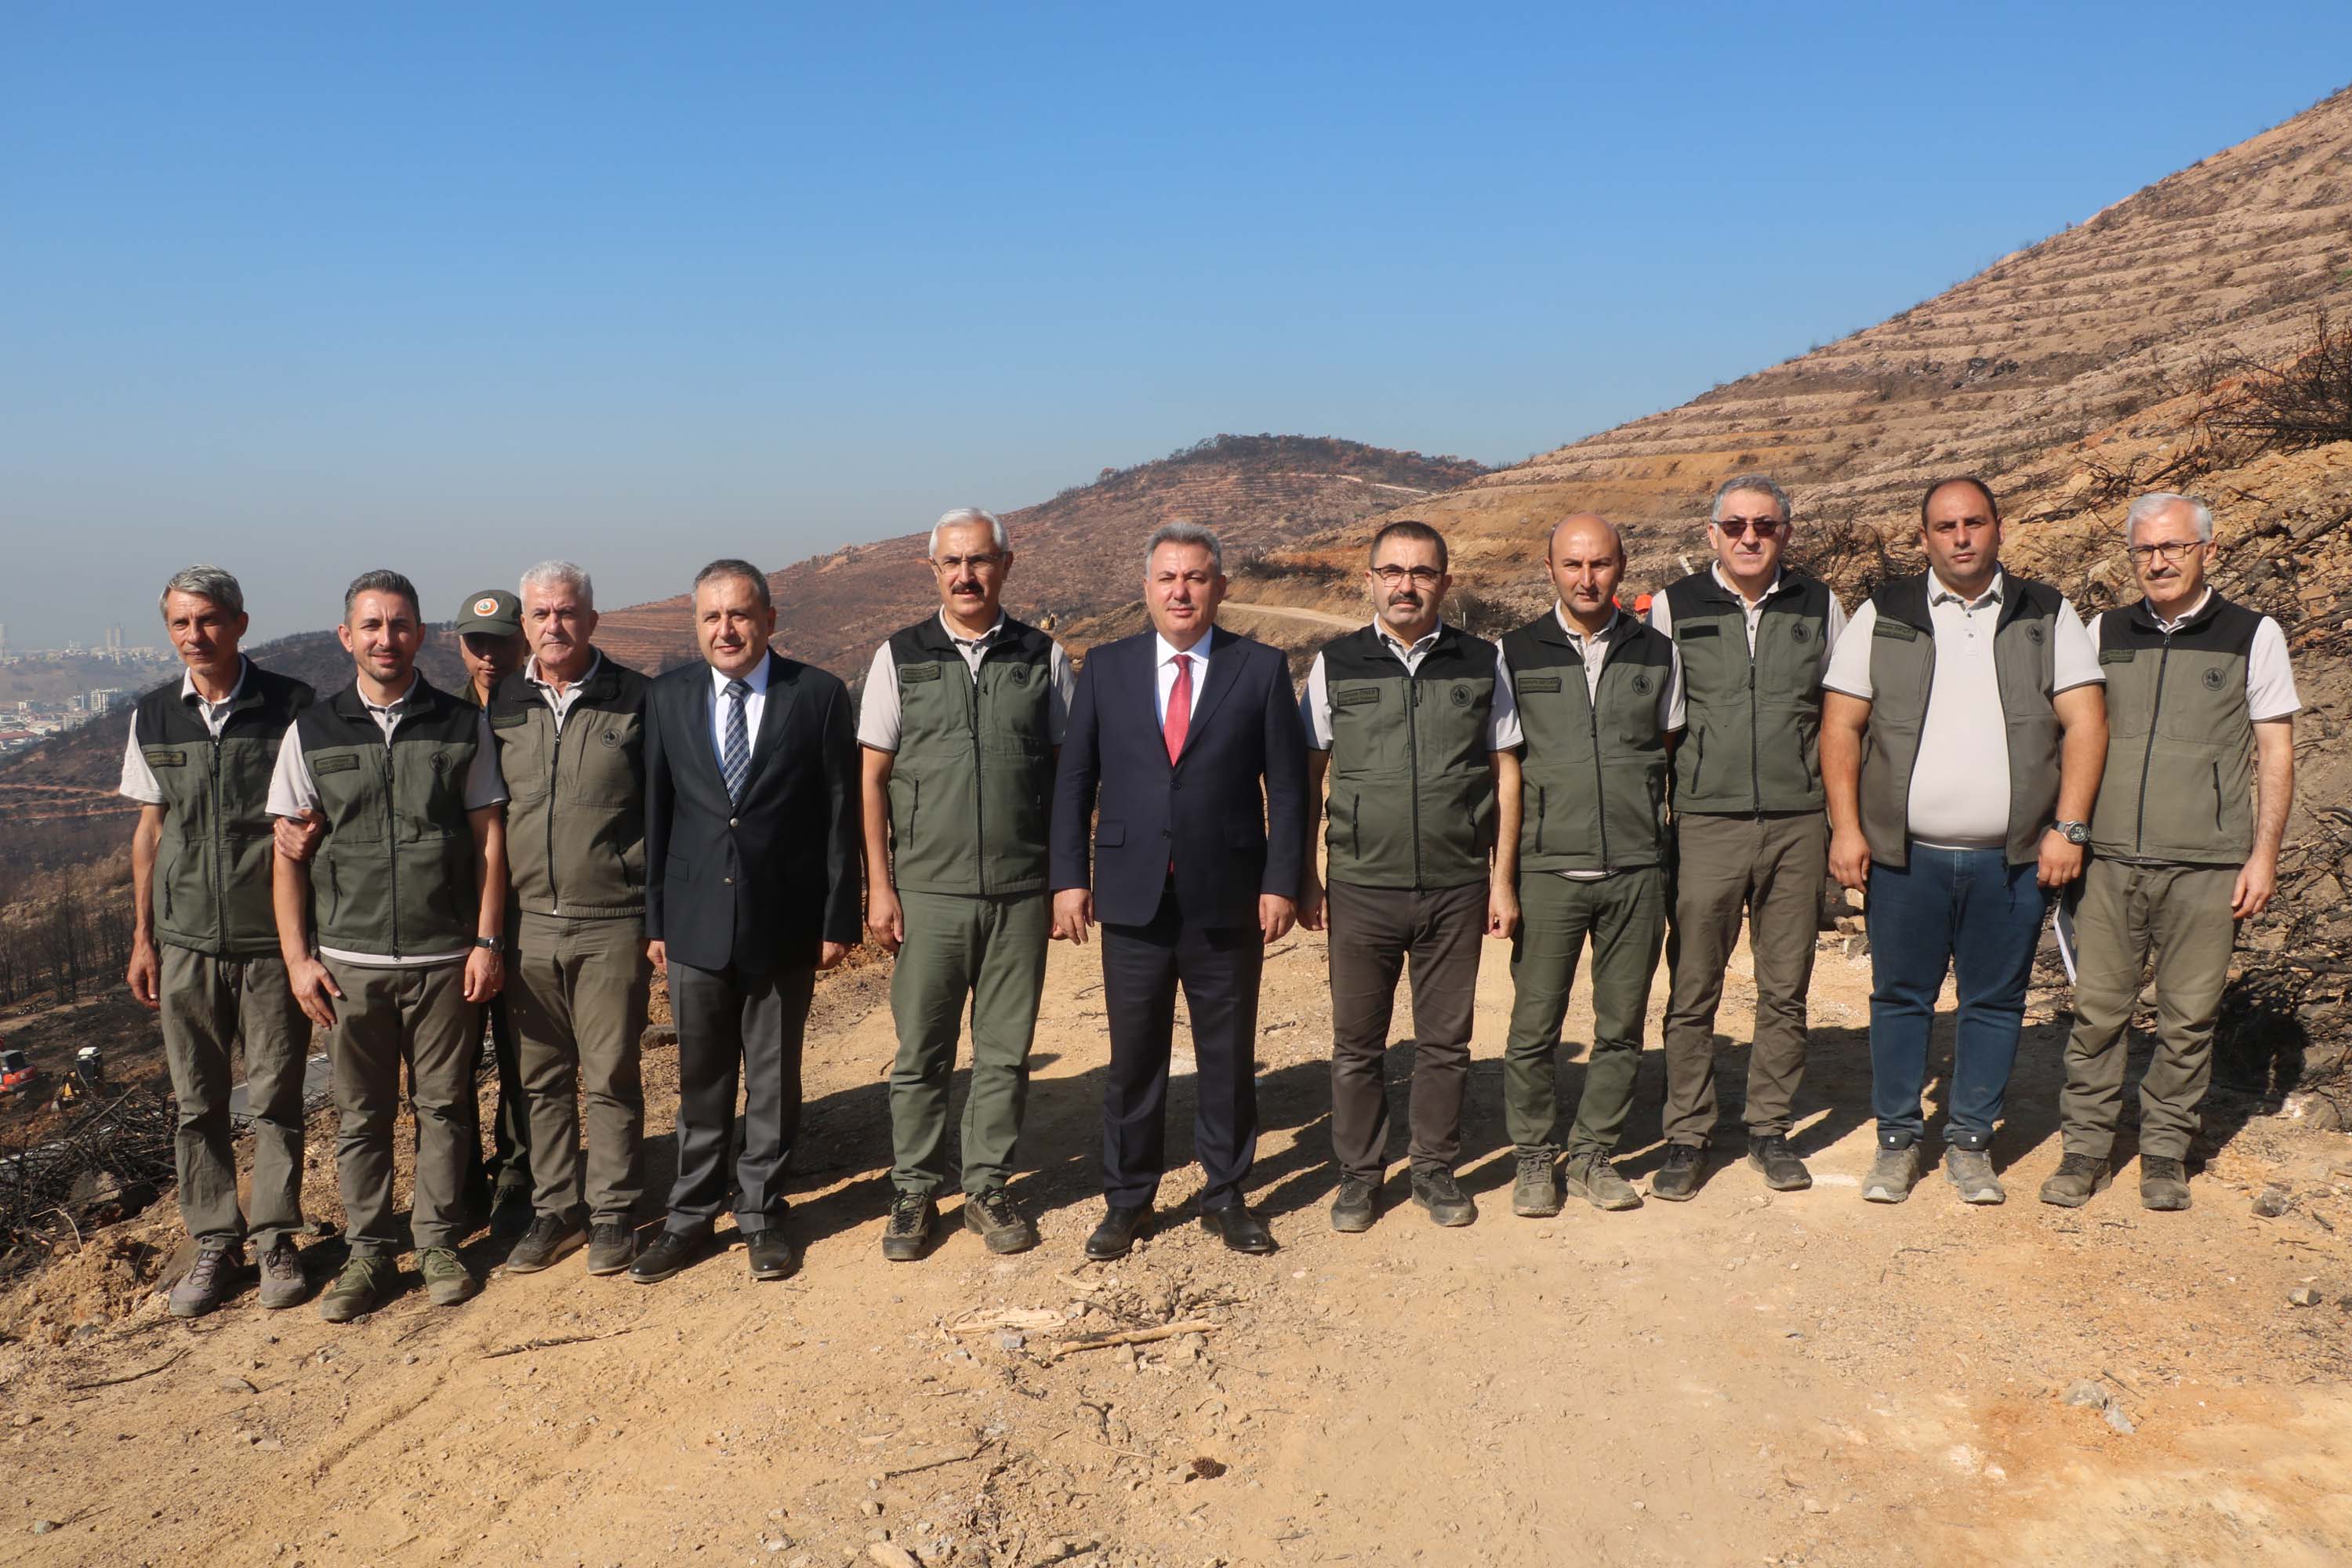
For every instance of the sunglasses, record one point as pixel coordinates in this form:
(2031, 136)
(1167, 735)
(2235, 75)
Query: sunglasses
(1738, 527)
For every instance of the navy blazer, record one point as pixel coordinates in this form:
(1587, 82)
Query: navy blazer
(1230, 812)
(761, 882)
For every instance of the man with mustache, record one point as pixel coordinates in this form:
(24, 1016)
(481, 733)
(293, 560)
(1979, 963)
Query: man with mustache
(1191, 736)
(1402, 717)
(204, 937)
(394, 932)
(1975, 696)
(2184, 844)
(1755, 636)
(962, 716)
(1598, 701)
(751, 852)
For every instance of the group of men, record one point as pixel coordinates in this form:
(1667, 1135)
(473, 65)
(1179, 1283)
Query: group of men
(409, 868)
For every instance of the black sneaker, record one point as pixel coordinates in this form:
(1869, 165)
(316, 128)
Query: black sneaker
(1443, 1196)
(1770, 1156)
(908, 1226)
(612, 1247)
(511, 1210)
(1677, 1181)
(1356, 1207)
(2078, 1179)
(2163, 1182)
(990, 1214)
(549, 1239)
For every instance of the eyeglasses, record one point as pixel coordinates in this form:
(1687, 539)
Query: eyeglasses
(1422, 576)
(958, 562)
(1738, 527)
(2173, 550)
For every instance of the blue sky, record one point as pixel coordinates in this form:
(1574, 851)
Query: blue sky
(307, 290)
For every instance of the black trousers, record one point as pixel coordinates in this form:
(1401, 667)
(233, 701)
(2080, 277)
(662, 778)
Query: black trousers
(1374, 931)
(508, 1165)
(1219, 969)
(732, 1024)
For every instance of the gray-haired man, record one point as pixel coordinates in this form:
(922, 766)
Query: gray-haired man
(205, 940)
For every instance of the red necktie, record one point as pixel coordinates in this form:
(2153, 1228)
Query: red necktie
(1179, 721)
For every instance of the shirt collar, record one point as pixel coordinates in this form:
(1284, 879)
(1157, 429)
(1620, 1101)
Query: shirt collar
(1165, 650)
(2190, 614)
(531, 672)
(1417, 645)
(1616, 619)
(963, 641)
(757, 681)
(397, 703)
(1733, 588)
(1938, 594)
(188, 692)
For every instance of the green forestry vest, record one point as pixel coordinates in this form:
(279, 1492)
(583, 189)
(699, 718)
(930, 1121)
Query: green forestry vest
(1754, 719)
(576, 802)
(2178, 786)
(1412, 790)
(212, 862)
(1593, 772)
(1902, 671)
(974, 776)
(394, 876)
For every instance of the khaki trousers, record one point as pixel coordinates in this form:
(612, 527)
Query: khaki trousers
(578, 994)
(1769, 868)
(385, 1019)
(2177, 916)
(988, 950)
(209, 1004)
(1624, 914)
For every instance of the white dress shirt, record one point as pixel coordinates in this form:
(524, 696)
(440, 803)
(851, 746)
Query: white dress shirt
(1165, 653)
(753, 706)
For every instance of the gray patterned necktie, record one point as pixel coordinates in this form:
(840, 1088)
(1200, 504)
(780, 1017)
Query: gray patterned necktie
(735, 756)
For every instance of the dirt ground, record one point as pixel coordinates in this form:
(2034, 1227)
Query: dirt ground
(1747, 1378)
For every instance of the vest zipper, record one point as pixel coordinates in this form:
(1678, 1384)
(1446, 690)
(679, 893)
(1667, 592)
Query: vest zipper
(979, 786)
(392, 840)
(1413, 763)
(1356, 827)
(1755, 765)
(220, 852)
(2147, 758)
(1599, 779)
(554, 773)
(2217, 797)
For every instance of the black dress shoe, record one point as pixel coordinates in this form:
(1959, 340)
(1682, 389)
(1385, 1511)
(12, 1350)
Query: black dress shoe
(1119, 1230)
(1242, 1231)
(672, 1250)
(773, 1256)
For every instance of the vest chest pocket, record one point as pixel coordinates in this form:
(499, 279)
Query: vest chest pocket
(608, 765)
(1367, 727)
(431, 786)
(351, 795)
(522, 754)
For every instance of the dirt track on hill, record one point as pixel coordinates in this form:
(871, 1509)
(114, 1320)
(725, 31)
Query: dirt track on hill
(1749, 1377)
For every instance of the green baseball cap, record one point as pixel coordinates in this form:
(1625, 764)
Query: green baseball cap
(493, 610)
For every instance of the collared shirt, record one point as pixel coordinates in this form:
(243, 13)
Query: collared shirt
(1594, 650)
(754, 705)
(1661, 611)
(562, 701)
(293, 790)
(1315, 701)
(2270, 675)
(139, 781)
(1960, 783)
(877, 707)
(1165, 652)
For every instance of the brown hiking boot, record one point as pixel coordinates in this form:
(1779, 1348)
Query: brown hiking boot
(988, 1213)
(283, 1283)
(206, 1283)
(2078, 1179)
(2163, 1184)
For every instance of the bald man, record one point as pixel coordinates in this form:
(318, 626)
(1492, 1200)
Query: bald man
(1581, 792)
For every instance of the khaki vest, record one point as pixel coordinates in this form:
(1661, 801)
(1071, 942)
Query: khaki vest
(576, 802)
(2179, 786)
(1593, 774)
(1413, 786)
(972, 782)
(1753, 741)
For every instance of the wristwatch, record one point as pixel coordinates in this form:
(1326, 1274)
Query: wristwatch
(2073, 832)
(497, 944)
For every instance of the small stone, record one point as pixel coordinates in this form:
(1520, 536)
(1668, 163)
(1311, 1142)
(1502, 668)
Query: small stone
(268, 1445)
(2088, 1390)
(889, 1556)
(43, 1526)
(233, 1383)
(870, 1509)
(777, 1543)
(2117, 1419)
(2304, 1296)
(1815, 1505)
(2273, 1202)
(1009, 1341)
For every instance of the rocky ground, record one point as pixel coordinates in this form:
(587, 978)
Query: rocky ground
(1747, 1378)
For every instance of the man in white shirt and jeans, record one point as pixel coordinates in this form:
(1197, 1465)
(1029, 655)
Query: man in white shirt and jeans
(1963, 732)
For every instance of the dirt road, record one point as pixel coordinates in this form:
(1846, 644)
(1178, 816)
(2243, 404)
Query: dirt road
(1747, 1378)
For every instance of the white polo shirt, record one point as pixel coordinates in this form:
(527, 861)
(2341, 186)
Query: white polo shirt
(1314, 700)
(877, 708)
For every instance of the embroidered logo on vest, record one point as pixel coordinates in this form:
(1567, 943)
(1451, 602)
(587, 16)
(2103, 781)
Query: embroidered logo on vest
(1642, 683)
(1799, 631)
(1462, 697)
(2214, 677)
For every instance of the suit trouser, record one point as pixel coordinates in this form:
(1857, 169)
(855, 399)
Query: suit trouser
(1374, 931)
(732, 1023)
(1771, 867)
(387, 1018)
(993, 950)
(507, 1165)
(1624, 914)
(206, 1003)
(579, 989)
(2178, 916)
(1219, 968)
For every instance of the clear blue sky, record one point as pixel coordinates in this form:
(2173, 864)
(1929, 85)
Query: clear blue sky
(307, 290)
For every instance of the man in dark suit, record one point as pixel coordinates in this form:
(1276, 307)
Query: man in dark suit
(1192, 736)
(751, 887)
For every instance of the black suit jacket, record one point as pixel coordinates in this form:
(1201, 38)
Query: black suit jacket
(760, 883)
(1230, 812)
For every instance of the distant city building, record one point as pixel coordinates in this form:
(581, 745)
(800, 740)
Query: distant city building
(114, 639)
(104, 699)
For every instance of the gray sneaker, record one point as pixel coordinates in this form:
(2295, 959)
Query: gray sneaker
(283, 1283)
(1535, 1194)
(205, 1284)
(2078, 1179)
(1593, 1177)
(447, 1280)
(1971, 1170)
(1892, 1175)
(550, 1238)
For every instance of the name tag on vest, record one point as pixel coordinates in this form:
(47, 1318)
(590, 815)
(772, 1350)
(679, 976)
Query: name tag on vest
(1902, 631)
(2117, 655)
(919, 672)
(1353, 695)
(341, 762)
(507, 720)
(1697, 630)
(157, 758)
(1539, 683)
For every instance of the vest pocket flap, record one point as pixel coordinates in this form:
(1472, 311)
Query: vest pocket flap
(1686, 630)
(2117, 655)
(1353, 695)
(1107, 835)
(164, 756)
(1539, 682)
(334, 762)
(1887, 627)
(508, 720)
(911, 672)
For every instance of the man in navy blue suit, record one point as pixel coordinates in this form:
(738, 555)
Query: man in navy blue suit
(1191, 736)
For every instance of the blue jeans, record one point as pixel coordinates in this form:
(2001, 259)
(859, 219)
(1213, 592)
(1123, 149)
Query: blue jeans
(1970, 913)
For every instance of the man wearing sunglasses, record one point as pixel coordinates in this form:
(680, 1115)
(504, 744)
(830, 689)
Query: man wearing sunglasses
(1402, 717)
(2184, 844)
(960, 721)
(1755, 636)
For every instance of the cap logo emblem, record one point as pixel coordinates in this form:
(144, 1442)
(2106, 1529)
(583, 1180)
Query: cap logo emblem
(485, 606)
